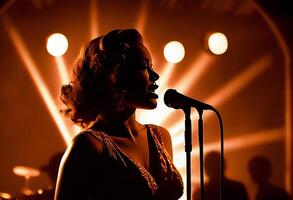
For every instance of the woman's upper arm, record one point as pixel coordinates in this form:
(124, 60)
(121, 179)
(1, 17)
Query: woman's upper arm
(75, 168)
(167, 140)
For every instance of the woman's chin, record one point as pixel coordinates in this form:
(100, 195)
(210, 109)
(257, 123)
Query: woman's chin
(149, 105)
(153, 104)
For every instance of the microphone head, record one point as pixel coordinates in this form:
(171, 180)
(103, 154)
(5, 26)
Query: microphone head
(174, 99)
(170, 98)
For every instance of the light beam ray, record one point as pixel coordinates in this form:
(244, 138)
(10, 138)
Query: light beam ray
(62, 69)
(94, 27)
(234, 143)
(242, 80)
(141, 20)
(31, 67)
(196, 70)
(165, 76)
(228, 90)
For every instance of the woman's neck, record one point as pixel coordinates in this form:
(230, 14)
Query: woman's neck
(122, 124)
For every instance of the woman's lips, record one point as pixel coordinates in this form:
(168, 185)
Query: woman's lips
(151, 91)
(152, 94)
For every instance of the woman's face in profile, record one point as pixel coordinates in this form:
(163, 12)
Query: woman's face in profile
(140, 79)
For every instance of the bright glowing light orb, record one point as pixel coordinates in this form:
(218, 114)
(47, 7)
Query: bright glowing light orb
(174, 52)
(57, 44)
(218, 43)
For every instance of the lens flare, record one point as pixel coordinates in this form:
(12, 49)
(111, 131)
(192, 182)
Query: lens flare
(57, 44)
(174, 52)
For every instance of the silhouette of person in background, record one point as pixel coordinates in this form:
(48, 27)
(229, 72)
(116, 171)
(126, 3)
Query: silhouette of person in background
(260, 170)
(233, 190)
(115, 157)
(51, 169)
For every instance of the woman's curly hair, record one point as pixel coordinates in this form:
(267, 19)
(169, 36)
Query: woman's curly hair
(97, 83)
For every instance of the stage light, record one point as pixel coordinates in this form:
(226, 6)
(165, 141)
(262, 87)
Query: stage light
(217, 43)
(57, 44)
(174, 52)
(4, 195)
(40, 191)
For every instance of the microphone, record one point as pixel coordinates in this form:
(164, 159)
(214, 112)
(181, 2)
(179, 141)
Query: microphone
(174, 99)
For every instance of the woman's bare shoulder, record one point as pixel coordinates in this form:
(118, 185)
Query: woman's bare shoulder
(78, 164)
(88, 139)
(82, 146)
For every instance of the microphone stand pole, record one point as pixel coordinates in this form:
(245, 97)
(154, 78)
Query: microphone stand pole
(200, 141)
(188, 149)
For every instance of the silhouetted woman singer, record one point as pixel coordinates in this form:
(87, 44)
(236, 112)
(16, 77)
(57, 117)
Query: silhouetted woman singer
(115, 157)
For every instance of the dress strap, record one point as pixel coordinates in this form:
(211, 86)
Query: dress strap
(155, 129)
(108, 146)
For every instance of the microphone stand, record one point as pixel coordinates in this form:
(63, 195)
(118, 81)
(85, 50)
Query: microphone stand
(200, 141)
(188, 149)
(176, 100)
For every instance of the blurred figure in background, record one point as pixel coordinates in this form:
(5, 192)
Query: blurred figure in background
(260, 170)
(233, 190)
(51, 169)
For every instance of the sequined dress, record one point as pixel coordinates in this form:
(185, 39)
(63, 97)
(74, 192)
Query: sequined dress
(120, 177)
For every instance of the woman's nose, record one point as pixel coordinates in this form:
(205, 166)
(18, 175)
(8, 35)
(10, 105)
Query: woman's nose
(153, 75)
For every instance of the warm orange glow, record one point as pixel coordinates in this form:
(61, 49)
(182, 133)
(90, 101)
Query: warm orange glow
(162, 112)
(217, 43)
(5, 195)
(32, 69)
(62, 70)
(94, 29)
(231, 88)
(174, 52)
(57, 44)
(195, 71)
(288, 94)
(165, 77)
(76, 129)
(155, 116)
(25, 171)
(141, 20)
(241, 80)
(228, 90)
(40, 191)
(231, 144)
(235, 143)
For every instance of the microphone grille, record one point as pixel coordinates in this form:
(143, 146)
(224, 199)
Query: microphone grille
(169, 97)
